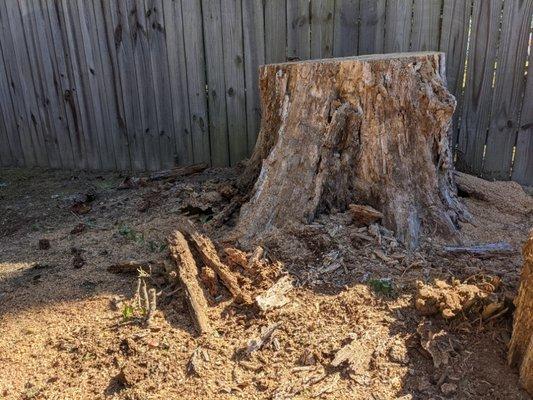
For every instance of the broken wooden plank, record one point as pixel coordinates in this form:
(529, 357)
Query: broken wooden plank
(188, 274)
(274, 297)
(486, 249)
(174, 173)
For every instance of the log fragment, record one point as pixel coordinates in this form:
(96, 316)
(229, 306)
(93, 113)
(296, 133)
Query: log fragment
(209, 256)
(367, 130)
(521, 346)
(481, 250)
(188, 274)
(364, 215)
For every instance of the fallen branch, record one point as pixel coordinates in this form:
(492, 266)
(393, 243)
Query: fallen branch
(188, 274)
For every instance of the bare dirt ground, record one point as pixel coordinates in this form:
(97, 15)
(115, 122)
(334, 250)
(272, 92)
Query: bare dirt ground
(349, 331)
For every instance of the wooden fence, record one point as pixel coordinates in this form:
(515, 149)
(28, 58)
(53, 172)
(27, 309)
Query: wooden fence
(146, 84)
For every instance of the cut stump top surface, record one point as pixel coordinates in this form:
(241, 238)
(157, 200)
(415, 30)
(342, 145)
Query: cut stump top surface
(364, 58)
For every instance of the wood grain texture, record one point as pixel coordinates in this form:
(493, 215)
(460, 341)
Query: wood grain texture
(275, 30)
(178, 81)
(523, 161)
(346, 28)
(508, 89)
(398, 25)
(234, 78)
(372, 26)
(478, 91)
(216, 84)
(298, 30)
(426, 25)
(195, 64)
(254, 55)
(322, 13)
(453, 42)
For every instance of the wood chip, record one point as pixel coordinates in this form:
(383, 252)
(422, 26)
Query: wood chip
(266, 333)
(364, 215)
(274, 297)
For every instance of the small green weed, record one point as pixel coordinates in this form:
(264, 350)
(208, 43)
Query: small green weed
(127, 312)
(131, 234)
(382, 286)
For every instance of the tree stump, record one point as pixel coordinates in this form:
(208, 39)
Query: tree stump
(521, 346)
(370, 130)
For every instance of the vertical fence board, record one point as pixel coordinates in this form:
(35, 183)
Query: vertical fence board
(81, 88)
(508, 90)
(426, 25)
(111, 83)
(523, 161)
(346, 28)
(7, 108)
(29, 54)
(398, 25)
(234, 77)
(214, 56)
(178, 80)
(19, 75)
(195, 61)
(51, 81)
(478, 89)
(275, 30)
(372, 26)
(254, 56)
(298, 30)
(101, 87)
(65, 86)
(155, 33)
(138, 25)
(453, 42)
(55, 135)
(322, 28)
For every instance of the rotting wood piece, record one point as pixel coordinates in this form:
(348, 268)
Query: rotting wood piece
(209, 256)
(364, 215)
(188, 274)
(275, 296)
(521, 346)
(366, 130)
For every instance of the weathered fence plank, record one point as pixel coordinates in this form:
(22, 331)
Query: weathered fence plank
(508, 89)
(234, 76)
(179, 94)
(426, 25)
(478, 89)
(13, 131)
(178, 80)
(195, 62)
(372, 26)
(21, 86)
(275, 31)
(298, 30)
(523, 161)
(453, 42)
(398, 25)
(127, 76)
(346, 28)
(218, 126)
(322, 12)
(254, 55)
(155, 33)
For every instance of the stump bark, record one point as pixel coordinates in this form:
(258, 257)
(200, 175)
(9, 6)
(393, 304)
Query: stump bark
(370, 130)
(521, 346)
